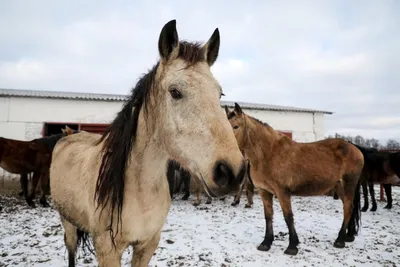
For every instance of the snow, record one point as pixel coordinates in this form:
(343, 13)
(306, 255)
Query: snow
(216, 235)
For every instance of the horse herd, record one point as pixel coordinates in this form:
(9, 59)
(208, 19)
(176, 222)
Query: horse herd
(113, 187)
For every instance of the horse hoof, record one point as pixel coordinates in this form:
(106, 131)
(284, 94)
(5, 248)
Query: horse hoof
(292, 251)
(234, 204)
(247, 206)
(21, 193)
(349, 238)
(44, 204)
(222, 199)
(185, 197)
(373, 209)
(339, 244)
(263, 247)
(388, 207)
(196, 204)
(208, 202)
(364, 209)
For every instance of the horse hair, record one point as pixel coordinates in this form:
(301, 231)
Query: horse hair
(120, 136)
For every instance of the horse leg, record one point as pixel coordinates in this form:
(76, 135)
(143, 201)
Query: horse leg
(144, 251)
(107, 254)
(372, 192)
(286, 205)
(43, 184)
(209, 200)
(24, 185)
(365, 194)
(198, 196)
(31, 195)
(70, 240)
(388, 192)
(267, 200)
(236, 200)
(249, 194)
(186, 185)
(348, 192)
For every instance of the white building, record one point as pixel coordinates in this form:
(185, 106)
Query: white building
(28, 114)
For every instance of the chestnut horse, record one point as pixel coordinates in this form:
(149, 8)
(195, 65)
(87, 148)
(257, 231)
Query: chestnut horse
(283, 167)
(114, 188)
(25, 157)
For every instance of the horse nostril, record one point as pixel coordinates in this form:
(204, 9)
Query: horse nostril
(223, 174)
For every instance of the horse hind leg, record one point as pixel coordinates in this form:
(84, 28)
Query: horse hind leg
(388, 192)
(365, 195)
(249, 194)
(70, 240)
(236, 200)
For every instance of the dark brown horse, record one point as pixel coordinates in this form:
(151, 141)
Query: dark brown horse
(285, 168)
(379, 168)
(25, 157)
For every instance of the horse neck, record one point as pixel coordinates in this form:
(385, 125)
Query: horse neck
(50, 141)
(259, 138)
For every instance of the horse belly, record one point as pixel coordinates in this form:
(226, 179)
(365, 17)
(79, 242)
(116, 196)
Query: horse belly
(313, 187)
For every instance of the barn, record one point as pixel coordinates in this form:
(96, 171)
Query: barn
(29, 114)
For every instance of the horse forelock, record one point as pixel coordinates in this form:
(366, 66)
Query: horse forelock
(120, 136)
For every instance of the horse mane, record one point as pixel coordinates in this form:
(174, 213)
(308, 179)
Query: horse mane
(120, 137)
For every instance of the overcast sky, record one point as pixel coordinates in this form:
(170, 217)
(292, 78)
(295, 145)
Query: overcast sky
(341, 56)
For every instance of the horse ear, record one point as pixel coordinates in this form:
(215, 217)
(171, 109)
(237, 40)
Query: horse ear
(168, 42)
(211, 48)
(238, 109)
(226, 110)
(67, 128)
(62, 130)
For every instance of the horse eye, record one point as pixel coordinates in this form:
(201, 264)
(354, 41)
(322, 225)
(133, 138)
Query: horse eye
(175, 93)
(236, 127)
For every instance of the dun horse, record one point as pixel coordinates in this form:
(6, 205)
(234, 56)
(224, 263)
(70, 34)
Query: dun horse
(114, 187)
(24, 157)
(282, 167)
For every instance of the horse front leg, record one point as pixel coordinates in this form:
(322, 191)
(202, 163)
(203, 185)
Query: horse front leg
(236, 200)
(44, 180)
(144, 251)
(365, 195)
(267, 199)
(108, 255)
(249, 194)
(24, 185)
(31, 195)
(286, 205)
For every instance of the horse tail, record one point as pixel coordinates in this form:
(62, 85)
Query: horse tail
(356, 212)
(84, 241)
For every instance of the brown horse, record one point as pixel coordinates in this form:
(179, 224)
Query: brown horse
(283, 167)
(25, 157)
(248, 186)
(114, 187)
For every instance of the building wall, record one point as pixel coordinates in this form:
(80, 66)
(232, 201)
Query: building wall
(22, 118)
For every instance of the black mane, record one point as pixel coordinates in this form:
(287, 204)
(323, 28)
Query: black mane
(120, 136)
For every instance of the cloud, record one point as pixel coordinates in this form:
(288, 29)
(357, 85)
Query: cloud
(340, 56)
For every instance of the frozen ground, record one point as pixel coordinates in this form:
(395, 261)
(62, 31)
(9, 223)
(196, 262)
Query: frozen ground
(217, 235)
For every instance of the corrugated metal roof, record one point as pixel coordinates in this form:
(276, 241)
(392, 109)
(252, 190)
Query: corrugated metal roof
(115, 97)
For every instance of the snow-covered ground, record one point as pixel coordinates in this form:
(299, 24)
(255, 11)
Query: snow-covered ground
(217, 235)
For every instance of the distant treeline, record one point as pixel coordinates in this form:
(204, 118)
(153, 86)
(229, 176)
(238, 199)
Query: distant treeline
(368, 142)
